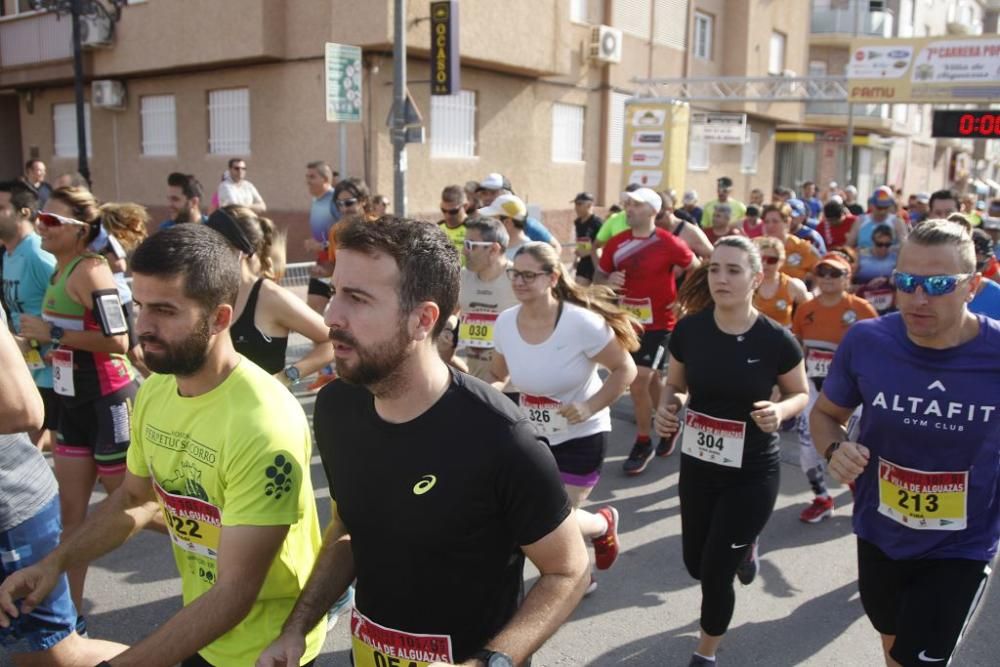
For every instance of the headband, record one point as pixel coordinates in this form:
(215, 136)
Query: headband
(222, 222)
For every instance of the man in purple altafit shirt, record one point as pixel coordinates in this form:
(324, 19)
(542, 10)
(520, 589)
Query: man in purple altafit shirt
(927, 457)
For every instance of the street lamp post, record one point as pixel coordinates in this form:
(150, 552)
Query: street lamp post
(76, 10)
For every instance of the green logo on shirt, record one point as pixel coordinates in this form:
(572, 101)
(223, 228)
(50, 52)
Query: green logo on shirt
(279, 477)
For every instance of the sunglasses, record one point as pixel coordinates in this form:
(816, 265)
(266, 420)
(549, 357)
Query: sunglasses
(526, 276)
(346, 203)
(51, 220)
(883, 245)
(451, 211)
(770, 259)
(933, 285)
(469, 245)
(824, 271)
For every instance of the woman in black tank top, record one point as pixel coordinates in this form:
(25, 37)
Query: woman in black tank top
(265, 312)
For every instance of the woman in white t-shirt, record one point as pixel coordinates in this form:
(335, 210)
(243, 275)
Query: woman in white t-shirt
(550, 346)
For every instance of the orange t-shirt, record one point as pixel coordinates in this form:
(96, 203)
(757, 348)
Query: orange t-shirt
(800, 258)
(824, 326)
(780, 305)
(821, 328)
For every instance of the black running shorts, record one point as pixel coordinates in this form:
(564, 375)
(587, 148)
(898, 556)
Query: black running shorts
(652, 352)
(926, 603)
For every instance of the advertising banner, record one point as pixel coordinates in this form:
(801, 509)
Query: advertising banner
(934, 70)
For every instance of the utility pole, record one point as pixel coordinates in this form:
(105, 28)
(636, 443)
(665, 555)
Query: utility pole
(81, 129)
(77, 9)
(859, 4)
(398, 130)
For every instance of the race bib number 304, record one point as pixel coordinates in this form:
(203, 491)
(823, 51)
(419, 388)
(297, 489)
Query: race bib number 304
(375, 645)
(194, 524)
(922, 500)
(714, 440)
(543, 412)
(476, 330)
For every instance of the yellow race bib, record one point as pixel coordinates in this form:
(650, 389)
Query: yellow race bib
(922, 500)
(476, 330)
(194, 524)
(375, 645)
(640, 309)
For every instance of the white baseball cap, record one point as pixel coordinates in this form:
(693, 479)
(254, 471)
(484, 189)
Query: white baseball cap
(646, 196)
(508, 206)
(493, 181)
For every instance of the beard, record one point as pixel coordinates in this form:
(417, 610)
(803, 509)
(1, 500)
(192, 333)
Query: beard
(184, 358)
(377, 365)
(184, 215)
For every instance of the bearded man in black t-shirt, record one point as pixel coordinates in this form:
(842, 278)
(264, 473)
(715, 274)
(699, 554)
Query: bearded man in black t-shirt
(440, 485)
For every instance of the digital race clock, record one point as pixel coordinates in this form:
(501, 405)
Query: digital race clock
(967, 124)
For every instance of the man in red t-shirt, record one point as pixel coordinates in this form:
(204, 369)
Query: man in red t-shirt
(639, 263)
(836, 222)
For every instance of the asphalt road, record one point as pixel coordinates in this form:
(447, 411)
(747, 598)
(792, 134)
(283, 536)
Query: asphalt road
(803, 609)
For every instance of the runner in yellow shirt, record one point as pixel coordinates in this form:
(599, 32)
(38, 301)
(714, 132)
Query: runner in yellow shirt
(223, 450)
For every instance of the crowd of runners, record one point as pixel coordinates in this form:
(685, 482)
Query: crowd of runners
(466, 369)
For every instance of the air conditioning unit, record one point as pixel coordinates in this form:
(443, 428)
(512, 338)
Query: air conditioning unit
(606, 44)
(96, 31)
(108, 94)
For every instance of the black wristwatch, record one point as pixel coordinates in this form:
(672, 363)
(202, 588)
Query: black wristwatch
(828, 454)
(56, 333)
(292, 373)
(494, 658)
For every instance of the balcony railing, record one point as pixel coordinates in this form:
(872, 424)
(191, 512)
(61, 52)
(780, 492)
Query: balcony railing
(821, 108)
(826, 20)
(35, 38)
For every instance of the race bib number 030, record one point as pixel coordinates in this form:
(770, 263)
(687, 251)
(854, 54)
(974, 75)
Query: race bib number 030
(476, 329)
(640, 309)
(543, 412)
(194, 524)
(375, 645)
(818, 363)
(714, 440)
(922, 500)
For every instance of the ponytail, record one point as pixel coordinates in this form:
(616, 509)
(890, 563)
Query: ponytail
(126, 222)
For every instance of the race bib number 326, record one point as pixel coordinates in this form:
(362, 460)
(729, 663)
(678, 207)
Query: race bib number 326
(922, 500)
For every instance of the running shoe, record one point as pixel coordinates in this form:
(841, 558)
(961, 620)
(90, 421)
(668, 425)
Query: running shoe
(638, 458)
(606, 546)
(345, 602)
(701, 661)
(749, 566)
(592, 586)
(820, 509)
(666, 445)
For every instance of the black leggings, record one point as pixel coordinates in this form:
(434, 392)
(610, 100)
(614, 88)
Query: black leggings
(722, 513)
